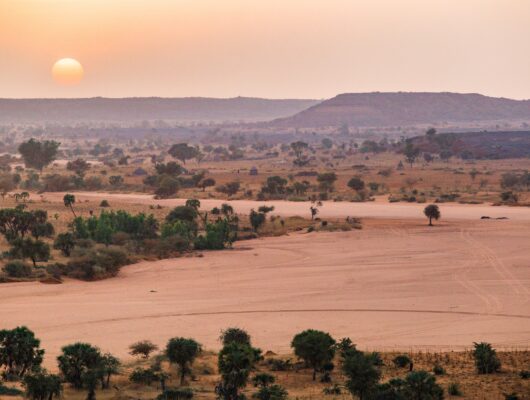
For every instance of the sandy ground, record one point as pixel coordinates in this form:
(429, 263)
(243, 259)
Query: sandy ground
(396, 284)
(378, 209)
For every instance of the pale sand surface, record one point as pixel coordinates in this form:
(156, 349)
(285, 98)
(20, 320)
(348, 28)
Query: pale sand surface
(378, 209)
(393, 285)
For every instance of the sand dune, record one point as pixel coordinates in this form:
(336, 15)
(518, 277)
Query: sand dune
(394, 284)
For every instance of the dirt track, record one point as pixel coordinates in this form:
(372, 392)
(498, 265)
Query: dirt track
(394, 284)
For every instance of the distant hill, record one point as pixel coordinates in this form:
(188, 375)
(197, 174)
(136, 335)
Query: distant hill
(402, 109)
(148, 108)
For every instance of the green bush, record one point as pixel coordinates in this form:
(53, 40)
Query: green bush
(104, 203)
(99, 263)
(6, 391)
(454, 389)
(486, 359)
(438, 370)
(18, 269)
(401, 361)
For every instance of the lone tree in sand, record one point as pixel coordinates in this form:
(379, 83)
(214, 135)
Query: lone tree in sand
(69, 201)
(432, 211)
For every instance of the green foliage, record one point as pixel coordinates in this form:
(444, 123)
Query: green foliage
(144, 376)
(76, 361)
(78, 166)
(257, 219)
(143, 348)
(34, 249)
(167, 186)
(64, 242)
(486, 360)
(7, 391)
(274, 186)
(183, 152)
(104, 203)
(18, 269)
(356, 184)
(272, 392)
(438, 370)
(101, 228)
(361, 373)
(401, 361)
(432, 212)
(218, 235)
(96, 263)
(326, 181)
(42, 386)
(16, 223)
(183, 352)
(234, 335)
(316, 348)
(235, 363)
(230, 188)
(453, 389)
(263, 380)
(19, 351)
(38, 154)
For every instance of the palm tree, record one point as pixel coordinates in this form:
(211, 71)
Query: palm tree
(69, 201)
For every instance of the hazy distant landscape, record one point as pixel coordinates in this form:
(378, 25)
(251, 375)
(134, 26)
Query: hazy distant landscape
(264, 200)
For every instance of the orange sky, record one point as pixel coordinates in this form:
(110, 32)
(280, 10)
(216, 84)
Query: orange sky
(266, 48)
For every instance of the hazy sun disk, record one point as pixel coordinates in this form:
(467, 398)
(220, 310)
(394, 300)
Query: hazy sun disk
(67, 71)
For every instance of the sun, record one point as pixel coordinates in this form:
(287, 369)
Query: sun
(67, 71)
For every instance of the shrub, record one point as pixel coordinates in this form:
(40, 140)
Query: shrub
(18, 269)
(143, 376)
(401, 361)
(273, 392)
(7, 391)
(438, 370)
(104, 204)
(94, 264)
(454, 389)
(524, 374)
(486, 360)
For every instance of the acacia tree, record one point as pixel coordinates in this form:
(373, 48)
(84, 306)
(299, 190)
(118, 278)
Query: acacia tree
(19, 351)
(143, 348)
(38, 154)
(183, 152)
(432, 211)
(316, 348)
(183, 352)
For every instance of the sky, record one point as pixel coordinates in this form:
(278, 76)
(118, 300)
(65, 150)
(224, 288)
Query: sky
(265, 48)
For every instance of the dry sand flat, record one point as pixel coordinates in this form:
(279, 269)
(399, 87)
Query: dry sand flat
(378, 209)
(395, 284)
